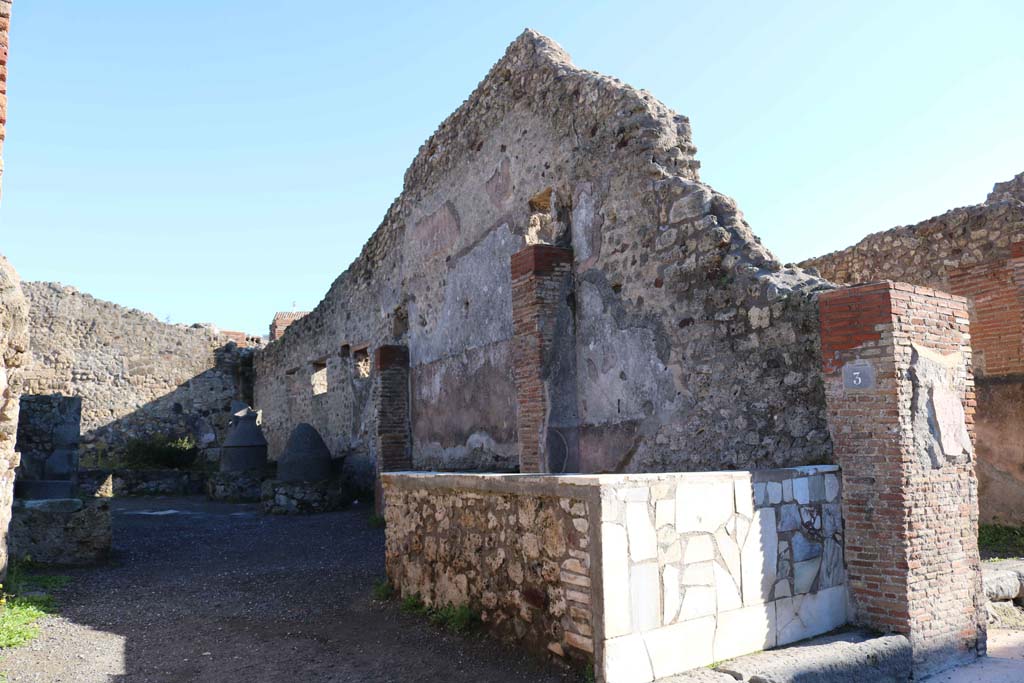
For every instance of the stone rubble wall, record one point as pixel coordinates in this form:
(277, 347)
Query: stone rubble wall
(621, 569)
(137, 377)
(925, 254)
(519, 552)
(13, 355)
(696, 349)
(104, 483)
(67, 531)
(48, 434)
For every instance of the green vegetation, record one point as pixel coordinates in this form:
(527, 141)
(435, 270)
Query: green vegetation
(457, 619)
(161, 452)
(1000, 542)
(383, 590)
(588, 674)
(24, 601)
(376, 522)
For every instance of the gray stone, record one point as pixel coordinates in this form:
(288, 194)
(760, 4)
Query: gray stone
(789, 517)
(804, 549)
(853, 657)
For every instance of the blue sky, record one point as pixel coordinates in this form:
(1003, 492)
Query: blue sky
(216, 161)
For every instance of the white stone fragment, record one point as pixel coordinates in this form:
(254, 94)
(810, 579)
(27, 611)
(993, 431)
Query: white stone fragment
(699, 574)
(729, 552)
(699, 549)
(698, 601)
(626, 660)
(831, 488)
(664, 513)
(774, 492)
(728, 589)
(759, 557)
(615, 572)
(802, 490)
(671, 596)
(744, 630)
(787, 490)
(645, 596)
(681, 647)
(703, 505)
(744, 492)
(812, 614)
(643, 540)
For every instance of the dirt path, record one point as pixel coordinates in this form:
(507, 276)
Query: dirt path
(218, 593)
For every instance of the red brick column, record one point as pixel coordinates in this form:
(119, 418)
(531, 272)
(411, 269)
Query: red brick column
(539, 286)
(904, 444)
(393, 437)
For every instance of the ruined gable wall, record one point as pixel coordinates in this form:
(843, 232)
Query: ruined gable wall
(695, 350)
(137, 377)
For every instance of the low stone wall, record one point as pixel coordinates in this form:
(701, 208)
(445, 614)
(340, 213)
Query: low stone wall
(126, 482)
(68, 531)
(624, 570)
(303, 498)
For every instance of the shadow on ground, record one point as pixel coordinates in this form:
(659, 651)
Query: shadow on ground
(218, 593)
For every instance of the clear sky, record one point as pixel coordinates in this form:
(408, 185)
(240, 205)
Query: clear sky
(218, 160)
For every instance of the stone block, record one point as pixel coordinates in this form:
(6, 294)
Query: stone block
(745, 630)
(615, 571)
(699, 549)
(744, 493)
(664, 513)
(671, 596)
(727, 589)
(759, 558)
(698, 601)
(643, 539)
(680, 647)
(803, 616)
(645, 595)
(802, 490)
(774, 492)
(626, 660)
(831, 488)
(803, 548)
(703, 505)
(804, 574)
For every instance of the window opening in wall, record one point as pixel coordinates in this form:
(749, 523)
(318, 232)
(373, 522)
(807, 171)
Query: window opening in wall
(361, 362)
(346, 351)
(318, 379)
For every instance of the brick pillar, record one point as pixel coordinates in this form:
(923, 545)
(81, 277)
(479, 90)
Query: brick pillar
(541, 279)
(900, 396)
(392, 435)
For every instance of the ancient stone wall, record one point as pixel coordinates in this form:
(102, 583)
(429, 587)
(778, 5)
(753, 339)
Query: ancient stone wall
(621, 570)
(976, 252)
(694, 348)
(13, 355)
(49, 429)
(137, 377)
(926, 253)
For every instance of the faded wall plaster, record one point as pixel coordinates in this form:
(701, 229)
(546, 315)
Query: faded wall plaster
(694, 348)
